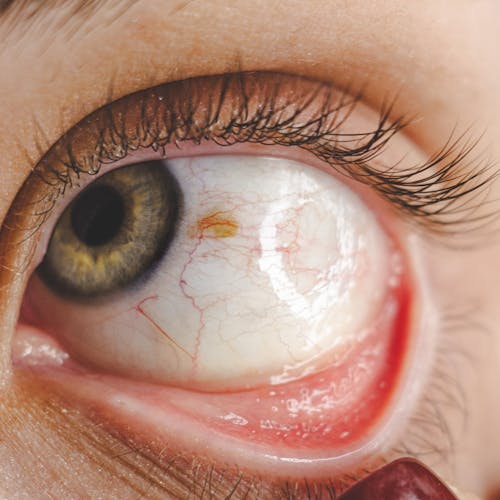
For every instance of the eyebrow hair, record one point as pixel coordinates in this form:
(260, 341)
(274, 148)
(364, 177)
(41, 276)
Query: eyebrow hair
(75, 16)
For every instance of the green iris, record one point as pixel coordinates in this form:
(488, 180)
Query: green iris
(113, 232)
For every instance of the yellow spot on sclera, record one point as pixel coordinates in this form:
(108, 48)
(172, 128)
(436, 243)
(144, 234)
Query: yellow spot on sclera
(219, 224)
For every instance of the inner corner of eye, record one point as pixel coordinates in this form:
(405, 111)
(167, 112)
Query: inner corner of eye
(262, 285)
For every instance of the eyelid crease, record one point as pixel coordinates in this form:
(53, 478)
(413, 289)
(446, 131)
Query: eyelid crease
(442, 194)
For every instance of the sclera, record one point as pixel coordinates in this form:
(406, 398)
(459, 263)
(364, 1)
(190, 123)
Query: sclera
(277, 270)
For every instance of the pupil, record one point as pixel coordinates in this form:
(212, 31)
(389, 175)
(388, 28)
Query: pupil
(97, 215)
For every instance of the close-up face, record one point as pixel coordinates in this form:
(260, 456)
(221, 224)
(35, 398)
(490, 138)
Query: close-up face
(249, 249)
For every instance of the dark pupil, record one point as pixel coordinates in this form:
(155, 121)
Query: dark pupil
(97, 215)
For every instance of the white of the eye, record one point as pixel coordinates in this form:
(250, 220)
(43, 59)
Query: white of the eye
(290, 281)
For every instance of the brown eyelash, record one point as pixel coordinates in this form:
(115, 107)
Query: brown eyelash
(443, 193)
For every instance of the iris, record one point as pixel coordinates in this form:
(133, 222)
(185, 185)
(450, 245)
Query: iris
(113, 232)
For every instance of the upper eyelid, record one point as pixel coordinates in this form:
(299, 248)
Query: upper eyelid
(430, 192)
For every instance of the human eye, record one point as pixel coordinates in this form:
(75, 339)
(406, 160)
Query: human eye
(405, 88)
(229, 268)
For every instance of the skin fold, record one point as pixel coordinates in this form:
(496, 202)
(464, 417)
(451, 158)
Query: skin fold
(436, 60)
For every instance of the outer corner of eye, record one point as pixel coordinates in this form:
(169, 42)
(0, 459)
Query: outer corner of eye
(255, 308)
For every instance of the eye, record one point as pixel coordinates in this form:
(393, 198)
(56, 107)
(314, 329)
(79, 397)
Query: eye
(226, 267)
(269, 271)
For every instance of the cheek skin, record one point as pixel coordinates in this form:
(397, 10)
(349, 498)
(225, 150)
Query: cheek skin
(49, 440)
(61, 440)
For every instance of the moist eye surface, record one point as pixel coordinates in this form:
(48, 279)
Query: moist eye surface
(112, 234)
(278, 271)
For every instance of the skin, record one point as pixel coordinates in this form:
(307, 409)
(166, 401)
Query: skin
(442, 58)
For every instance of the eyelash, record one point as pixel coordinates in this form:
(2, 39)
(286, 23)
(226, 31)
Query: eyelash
(441, 194)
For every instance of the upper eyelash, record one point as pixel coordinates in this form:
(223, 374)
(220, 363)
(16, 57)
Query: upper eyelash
(443, 193)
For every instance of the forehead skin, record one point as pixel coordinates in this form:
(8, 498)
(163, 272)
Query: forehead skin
(440, 57)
